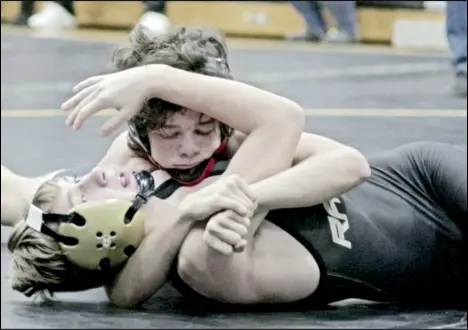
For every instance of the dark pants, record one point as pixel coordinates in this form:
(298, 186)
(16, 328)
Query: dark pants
(343, 11)
(456, 33)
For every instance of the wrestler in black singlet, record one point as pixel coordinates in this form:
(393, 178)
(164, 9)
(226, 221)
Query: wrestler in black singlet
(398, 237)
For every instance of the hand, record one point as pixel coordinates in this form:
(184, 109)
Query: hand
(225, 232)
(125, 91)
(228, 193)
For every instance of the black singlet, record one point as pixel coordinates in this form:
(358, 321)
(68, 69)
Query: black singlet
(386, 240)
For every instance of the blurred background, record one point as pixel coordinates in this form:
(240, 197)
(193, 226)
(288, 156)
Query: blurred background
(427, 25)
(372, 74)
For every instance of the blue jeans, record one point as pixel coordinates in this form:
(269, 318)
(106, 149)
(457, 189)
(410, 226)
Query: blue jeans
(456, 33)
(343, 11)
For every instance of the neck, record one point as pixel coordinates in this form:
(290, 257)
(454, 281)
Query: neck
(195, 175)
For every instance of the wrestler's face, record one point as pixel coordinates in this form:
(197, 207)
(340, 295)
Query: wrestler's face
(99, 184)
(186, 139)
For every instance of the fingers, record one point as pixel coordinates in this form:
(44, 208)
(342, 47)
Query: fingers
(88, 82)
(217, 244)
(235, 181)
(223, 203)
(242, 184)
(220, 196)
(76, 110)
(225, 235)
(86, 111)
(225, 232)
(74, 101)
(240, 247)
(114, 122)
(232, 188)
(84, 103)
(242, 199)
(233, 222)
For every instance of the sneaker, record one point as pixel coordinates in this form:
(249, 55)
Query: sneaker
(303, 36)
(460, 84)
(155, 22)
(52, 16)
(20, 20)
(335, 36)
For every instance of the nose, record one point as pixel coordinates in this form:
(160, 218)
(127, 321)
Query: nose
(189, 149)
(99, 177)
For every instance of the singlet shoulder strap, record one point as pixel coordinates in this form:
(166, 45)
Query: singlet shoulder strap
(170, 186)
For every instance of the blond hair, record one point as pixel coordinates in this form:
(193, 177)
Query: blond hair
(39, 265)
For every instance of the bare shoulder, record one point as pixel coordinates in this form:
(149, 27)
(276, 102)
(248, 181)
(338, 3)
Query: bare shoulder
(119, 154)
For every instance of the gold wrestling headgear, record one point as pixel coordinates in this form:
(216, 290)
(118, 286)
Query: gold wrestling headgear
(97, 235)
(94, 235)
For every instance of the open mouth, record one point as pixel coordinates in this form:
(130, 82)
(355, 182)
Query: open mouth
(124, 179)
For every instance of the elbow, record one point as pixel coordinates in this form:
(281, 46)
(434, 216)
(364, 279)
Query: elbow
(123, 298)
(287, 116)
(293, 117)
(218, 283)
(357, 165)
(126, 303)
(215, 276)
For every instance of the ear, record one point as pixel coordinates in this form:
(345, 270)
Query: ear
(34, 183)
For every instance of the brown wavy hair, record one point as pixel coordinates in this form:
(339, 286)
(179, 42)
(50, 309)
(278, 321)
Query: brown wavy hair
(198, 50)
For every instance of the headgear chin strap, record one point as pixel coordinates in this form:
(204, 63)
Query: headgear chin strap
(185, 177)
(96, 235)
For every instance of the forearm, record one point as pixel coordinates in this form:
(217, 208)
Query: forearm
(313, 181)
(147, 269)
(273, 123)
(17, 193)
(233, 103)
(276, 156)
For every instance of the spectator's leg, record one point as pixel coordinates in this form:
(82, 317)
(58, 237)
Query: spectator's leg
(154, 17)
(315, 24)
(456, 35)
(155, 6)
(67, 5)
(345, 14)
(26, 10)
(54, 15)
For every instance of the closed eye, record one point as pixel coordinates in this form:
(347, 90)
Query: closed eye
(204, 132)
(169, 136)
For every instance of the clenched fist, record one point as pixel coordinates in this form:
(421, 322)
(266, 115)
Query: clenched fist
(228, 193)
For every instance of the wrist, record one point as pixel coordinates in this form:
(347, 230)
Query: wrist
(162, 210)
(260, 194)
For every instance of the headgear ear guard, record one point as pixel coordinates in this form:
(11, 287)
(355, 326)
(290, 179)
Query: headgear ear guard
(139, 141)
(96, 235)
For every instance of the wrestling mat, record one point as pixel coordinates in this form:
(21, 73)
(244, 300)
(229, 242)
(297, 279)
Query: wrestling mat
(38, 74)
